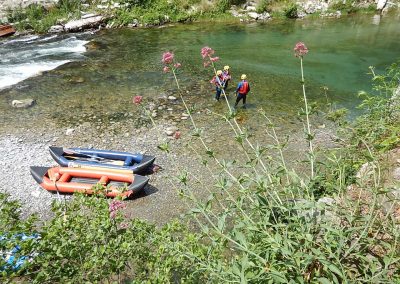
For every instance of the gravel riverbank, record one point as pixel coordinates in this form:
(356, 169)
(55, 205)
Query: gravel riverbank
(24, 148)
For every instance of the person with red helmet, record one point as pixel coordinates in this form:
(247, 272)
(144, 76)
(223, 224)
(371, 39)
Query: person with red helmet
(242, 90)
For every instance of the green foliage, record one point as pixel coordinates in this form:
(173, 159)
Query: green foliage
(12, 225)
(262, 6)
(86, 243)
(222, 6)
(155, 13)
(36, 17)
(290, 11)
(379, 126)
(348, 6)
(69, 5)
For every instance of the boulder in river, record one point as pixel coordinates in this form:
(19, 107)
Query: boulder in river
(23, 103)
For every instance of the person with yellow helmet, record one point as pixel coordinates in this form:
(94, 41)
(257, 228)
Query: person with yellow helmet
(242, 90)
(227, 76)
(219, 83)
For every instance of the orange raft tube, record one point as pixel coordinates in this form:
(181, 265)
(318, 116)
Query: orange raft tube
(71, 180)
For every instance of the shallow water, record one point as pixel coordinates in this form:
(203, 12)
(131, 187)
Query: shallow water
(122, 63)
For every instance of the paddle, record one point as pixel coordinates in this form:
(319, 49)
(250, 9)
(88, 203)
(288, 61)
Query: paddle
(103, 161)
(72, 152)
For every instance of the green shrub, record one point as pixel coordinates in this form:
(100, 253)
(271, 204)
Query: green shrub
(345, 6)
(222, 6)
(262, 6)
(290, 11)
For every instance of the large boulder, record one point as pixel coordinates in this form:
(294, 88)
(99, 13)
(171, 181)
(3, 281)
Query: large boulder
(260, 17)
(23, 103)
(381, 4)
(85, 23)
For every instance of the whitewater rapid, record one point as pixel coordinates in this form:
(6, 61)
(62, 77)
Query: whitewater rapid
(28, 56)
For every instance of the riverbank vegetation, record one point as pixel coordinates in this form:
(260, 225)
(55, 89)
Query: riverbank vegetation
(147, 13)
(263, 221)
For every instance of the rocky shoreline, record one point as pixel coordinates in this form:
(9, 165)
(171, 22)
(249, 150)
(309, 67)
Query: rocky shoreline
(102, 15)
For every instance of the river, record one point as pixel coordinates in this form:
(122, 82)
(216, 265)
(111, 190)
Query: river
(126, 62)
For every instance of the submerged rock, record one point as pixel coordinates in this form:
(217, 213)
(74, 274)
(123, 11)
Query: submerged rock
(23, 103)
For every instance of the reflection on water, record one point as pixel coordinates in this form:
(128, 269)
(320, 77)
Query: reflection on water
(123, 63)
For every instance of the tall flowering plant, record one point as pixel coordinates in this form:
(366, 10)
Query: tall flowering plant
(170, 65)
(207, 53)
(300, 50)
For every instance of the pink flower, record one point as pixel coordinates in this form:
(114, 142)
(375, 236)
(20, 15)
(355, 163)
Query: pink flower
(206, 52)
(177, 134)
(166, 69)
(206, 63)
(114, 206)
(300, 49)
(167, 57)
(177, 65)
(137, 100)
(214, 59)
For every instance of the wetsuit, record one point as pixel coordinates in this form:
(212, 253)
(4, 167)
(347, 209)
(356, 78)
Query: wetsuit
(242, 90)
(219, 85)
(227, 77)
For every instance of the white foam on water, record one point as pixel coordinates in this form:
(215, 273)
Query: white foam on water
(30, 57)
(22, 39)
(12, 75)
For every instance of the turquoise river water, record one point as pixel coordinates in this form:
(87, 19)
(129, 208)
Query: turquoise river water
(119, 64)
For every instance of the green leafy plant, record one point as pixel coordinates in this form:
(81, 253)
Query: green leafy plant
(262, 6)
(290, 11)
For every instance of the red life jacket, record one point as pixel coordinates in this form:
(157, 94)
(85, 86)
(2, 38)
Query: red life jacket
(244, 88)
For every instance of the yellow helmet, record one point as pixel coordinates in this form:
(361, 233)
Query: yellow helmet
(219, 72)
(226, 67)
(243, 77)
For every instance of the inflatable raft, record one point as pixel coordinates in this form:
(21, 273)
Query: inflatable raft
(6, 30)
(89, 158)
(71, 180)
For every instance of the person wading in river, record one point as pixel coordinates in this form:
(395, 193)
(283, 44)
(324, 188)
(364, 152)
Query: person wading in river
(242, 90)
(227, 77)
(219, 83)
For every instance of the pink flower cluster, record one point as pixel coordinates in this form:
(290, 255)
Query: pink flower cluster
(206, 52)
(300, 49)
(137, 100)
(167, 57)
(114, 206)
(168, 60)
